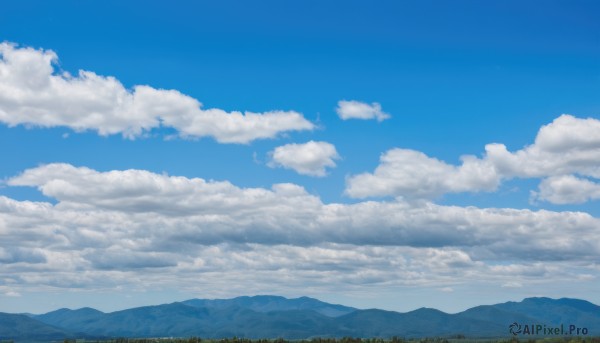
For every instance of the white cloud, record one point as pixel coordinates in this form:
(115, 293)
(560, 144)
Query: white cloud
(412, 174)
(34, 93)
(146, 192)
(567, 189)
(111, 229)
(311, 158)
(568, 145)
(100, 208)
(568, 133)
(359, 110)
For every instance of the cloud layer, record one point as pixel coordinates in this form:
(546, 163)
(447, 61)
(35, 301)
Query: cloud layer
(34, 93)
(359, 110)
(567, 147)
(311, 158)
(109, 229)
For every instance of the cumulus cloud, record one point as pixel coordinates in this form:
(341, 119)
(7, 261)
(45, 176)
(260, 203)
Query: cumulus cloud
(411, 173)
(141, 191)
(567, 189)
(359, 110)
(311, 158)
(110, 229)
(34, 93)
(567, 146)
(179, 209)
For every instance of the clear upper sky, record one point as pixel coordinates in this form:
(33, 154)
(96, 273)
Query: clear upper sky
(391, 154)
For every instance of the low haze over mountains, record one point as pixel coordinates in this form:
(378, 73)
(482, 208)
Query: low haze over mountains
(274, 316)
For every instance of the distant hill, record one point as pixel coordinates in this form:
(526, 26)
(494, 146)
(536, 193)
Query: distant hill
(25, 329)
(274, 316)
(270, 303)
(179, 319)
(424, 322)
(72, 319)
(493, 314)
(552, 311)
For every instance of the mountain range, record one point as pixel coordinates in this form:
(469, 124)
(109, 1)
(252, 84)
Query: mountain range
(274, 316)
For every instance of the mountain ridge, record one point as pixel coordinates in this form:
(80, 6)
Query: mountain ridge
(267, 316)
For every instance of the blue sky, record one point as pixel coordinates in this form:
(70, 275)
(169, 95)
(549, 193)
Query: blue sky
(119, 175)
